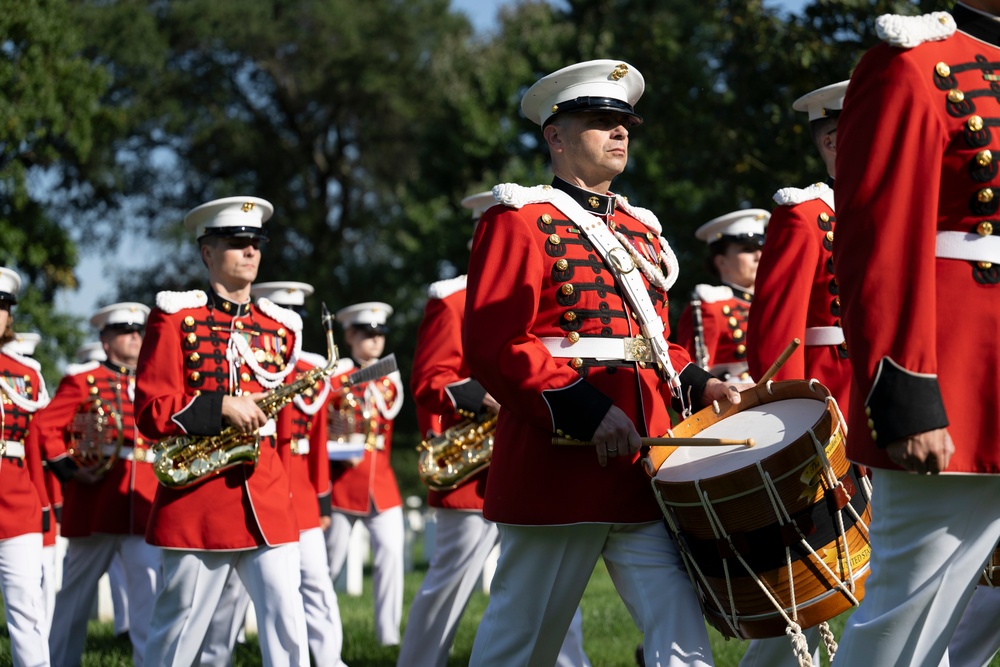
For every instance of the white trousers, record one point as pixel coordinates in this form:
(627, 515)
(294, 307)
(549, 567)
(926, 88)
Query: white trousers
(387, 535)
(48, 586)
(931, 536)
(24, 605)
(463, 542)
(977, 637)
(322, 614)
(193, 584)
(777, 651)
(119, 594)
(544, 570)
(87, 558)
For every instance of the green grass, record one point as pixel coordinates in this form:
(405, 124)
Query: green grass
(610, 636)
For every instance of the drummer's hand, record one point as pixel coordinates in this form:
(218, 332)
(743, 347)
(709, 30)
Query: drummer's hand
(615, 436)
(717, 390)
(926, 453)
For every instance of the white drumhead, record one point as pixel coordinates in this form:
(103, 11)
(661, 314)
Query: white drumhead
(773, 426)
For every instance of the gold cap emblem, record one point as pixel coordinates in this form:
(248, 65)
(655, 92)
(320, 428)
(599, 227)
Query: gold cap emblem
(248, 206)
(619, 72)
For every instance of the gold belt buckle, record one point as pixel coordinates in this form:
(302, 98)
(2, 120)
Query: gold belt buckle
(139, 455)
(637, 349)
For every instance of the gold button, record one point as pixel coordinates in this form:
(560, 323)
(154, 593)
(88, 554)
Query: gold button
(594, 202)
(562, 265)
(874, 434)
(836, 300)
(829, 237)
(244, 376)
(824, 217)
(985, 195)
(985, 228)
(566, 289)
(975, 123)
(573, 337)
(282, 332)
(984, 157)
(569, 316)
(613, 225)
(868, 412)
(94, 391)
(942, 69)
(733, 321)
(741, 348)
(726, 310)
(191, 338)
(554, 239)
(576, 362)
(90, 379)
(194, 356)
(738, 334)
(195, 376)
(955, 95)
(226, 306)
(984, 265)
(239, 325)
(650, 237)
(261, 356)
(546, 218)
(197, 392)
(189, 321)
(139, 441)
(871, 423)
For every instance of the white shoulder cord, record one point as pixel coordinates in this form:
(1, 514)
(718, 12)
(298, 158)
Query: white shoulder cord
(622, 266)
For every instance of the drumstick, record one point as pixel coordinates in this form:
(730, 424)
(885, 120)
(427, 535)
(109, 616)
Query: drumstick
(794, 345)
(672, 442)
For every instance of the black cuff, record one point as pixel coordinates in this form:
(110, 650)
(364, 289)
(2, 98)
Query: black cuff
(63, 468)
(577, 410)
(468, 397)
(46, 520)
(325, 505)
(58, 512)
(693, 381)
(203, 416)
(902, 404)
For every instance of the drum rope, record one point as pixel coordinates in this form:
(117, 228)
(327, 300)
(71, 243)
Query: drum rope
(829, 643)
(719, 532)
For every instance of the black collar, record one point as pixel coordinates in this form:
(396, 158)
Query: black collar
(603, 205)
(121, 369)
(739, 292)
(230, 308)
(983, 27)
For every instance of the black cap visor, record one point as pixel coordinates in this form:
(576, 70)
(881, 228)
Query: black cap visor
(124, 327)
(8, 297)
(235, 232)
(597, 104)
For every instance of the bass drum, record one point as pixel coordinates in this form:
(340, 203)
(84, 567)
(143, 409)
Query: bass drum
(772, 534)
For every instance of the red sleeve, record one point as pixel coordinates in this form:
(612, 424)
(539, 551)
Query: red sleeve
(33, 457)
(51, 423)
(781, 294)
(504, 289)
(319, 464)
(438, 360)
(888, 168)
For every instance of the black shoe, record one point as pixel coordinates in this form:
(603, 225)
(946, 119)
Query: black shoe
(640, 656)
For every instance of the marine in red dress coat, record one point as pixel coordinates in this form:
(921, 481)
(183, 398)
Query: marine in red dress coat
(442, 383)
(712, 326)
(560, 294)
(797, 292)
(119, 502)
(24, 503)
(183, 376)
(367, 412)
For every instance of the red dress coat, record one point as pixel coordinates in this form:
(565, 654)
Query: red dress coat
(533, 275)
(795, 289)
(24, 504)
(724, 313)
(303, 430)
(442, 383)
(182, 376)
(915, 159)
(371, 483)
(119, 504)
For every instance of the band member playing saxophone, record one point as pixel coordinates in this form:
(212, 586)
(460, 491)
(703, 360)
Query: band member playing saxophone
(209, 361)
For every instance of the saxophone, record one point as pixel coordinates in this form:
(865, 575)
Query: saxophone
(183, 460)
(458, 453)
